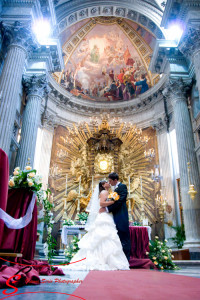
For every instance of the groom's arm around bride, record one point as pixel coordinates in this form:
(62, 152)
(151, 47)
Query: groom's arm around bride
(121, 190)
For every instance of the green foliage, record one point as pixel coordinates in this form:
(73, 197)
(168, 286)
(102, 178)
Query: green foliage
(161, 256)
(136, 224)
(180, 236)
(68, 222)
(72, 249)
(83, 216)
(29, 180)
(26, 179)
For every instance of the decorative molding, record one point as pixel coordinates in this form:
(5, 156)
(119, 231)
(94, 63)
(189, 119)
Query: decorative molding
(35, 85)
(110, 10)
(67, 101)
(19, 34)
(178, 89)
(190, 42)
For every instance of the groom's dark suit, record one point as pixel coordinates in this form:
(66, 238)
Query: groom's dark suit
(120, 215)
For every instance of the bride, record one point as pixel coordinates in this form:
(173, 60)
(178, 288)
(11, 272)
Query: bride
(101, 245)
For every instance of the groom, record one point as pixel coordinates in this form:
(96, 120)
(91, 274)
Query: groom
(120, 213)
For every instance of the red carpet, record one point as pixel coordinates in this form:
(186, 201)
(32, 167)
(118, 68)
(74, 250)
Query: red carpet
(137, 284)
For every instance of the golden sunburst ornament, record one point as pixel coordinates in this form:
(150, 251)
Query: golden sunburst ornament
(83, 154)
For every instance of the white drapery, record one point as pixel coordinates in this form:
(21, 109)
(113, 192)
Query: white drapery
(13, 223)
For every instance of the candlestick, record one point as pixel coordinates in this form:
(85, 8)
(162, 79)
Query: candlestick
(66, 186)
(80, 185)
(129, 185)
(92, 183)
(141, 184)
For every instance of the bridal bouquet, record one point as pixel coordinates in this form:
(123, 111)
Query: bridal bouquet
(113, 196)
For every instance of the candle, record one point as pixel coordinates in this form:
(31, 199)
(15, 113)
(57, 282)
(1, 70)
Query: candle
(141, 184)
(80, 185)
(66, 186)
(92, 183)
(129, 185)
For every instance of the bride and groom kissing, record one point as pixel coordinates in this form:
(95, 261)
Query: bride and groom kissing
(106, 245)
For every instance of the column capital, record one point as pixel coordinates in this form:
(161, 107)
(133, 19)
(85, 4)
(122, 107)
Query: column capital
(49, 120)
(177, 89)
(36, 85)
(19, 34)
(160, 125)
(190, 43)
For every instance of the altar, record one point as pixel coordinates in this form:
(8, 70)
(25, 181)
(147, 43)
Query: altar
(140, 237)
(69, 231)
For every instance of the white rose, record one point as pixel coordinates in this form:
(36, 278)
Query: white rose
(15, 173)
(49, 229)
(32, 174)
(166, 241)
(11, 183)
(163, 251)
(156, 237)
(28, 168)
(17, 169)
(147, 253)
(30, 182)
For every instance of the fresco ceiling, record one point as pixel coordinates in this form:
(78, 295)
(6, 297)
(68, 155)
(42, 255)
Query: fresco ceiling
(106, 59)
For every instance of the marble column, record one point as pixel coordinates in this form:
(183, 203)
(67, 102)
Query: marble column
(17, 38)
(36, 87)
(186, 153)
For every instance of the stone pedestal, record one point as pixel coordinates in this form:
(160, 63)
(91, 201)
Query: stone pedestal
(35, 87)
(186, 153)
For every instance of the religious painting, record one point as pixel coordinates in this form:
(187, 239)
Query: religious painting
(105, 67)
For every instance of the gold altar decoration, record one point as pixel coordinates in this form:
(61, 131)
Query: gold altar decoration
(103, 163)
(118, 148)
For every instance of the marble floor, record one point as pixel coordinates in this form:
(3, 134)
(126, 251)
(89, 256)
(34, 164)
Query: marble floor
(70, 287)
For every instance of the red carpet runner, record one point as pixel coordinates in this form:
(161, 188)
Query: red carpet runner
(137, 284)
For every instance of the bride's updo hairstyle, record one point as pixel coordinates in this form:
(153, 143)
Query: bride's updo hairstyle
(101, 188)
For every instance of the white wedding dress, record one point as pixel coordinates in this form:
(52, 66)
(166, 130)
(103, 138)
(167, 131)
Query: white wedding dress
(101, 247)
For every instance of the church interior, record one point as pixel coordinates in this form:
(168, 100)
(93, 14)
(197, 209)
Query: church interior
(89, 88)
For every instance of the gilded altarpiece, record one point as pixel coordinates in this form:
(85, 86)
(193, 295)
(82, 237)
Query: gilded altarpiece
(81, 156)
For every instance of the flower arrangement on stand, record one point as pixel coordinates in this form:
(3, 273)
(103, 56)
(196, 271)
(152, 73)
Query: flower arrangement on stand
(161, 255)
(82, 217)
(72, 249)
(29, 179)
(68, 222)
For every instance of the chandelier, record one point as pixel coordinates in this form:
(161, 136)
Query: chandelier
(155, 176)
(143, 139)
(149, 154)
(62, 154)
(53, 171)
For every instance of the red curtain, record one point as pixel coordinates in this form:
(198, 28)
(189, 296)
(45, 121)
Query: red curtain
(20, 240)
(4, 177)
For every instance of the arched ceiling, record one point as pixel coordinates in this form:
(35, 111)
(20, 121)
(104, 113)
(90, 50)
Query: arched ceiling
(146, 13)
(106, 58)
